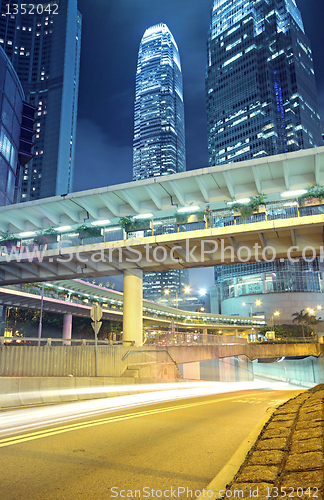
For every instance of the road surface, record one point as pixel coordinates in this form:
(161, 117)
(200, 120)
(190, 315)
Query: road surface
(145, 452)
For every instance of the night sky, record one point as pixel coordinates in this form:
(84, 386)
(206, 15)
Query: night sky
(111, 34)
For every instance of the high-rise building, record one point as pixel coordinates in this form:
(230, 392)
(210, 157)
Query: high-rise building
(44, 48)
(159, 130)
(16, 139)
(260, 86)
(261, 100)
(16, 131)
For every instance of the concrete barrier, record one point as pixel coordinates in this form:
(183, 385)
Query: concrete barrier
(62, 361)
(307, 372)
(30, 391)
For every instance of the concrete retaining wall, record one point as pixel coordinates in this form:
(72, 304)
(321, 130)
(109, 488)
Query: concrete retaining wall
(188, 354)
(306, 372)
(79, 361)
(22, 391)
(233, 369)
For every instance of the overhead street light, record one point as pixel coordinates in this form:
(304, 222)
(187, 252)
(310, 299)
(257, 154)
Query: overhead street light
(257, 303)
(167, 292)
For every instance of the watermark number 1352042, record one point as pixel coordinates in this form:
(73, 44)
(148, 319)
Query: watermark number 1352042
(31, 8)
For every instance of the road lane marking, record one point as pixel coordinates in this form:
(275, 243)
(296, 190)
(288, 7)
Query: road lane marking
(67, 428)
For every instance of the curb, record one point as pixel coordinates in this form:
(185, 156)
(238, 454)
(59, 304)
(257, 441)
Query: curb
(226, 474)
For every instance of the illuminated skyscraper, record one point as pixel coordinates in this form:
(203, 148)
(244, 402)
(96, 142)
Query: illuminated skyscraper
(159, 131)
(261, 100)
(44, 48)
(16, 131)
(260, 85)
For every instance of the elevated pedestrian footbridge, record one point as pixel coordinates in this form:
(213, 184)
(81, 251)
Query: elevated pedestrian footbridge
(77, 297)
(79, 235)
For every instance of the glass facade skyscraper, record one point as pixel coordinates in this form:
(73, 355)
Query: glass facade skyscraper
(261, 100)
(44, 49)
(260, 86)
(159, 130)
(16, 131)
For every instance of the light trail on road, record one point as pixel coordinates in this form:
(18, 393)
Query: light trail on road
(28, 419)
(126, 445)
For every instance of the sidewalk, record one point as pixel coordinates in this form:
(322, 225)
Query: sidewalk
(287, 459)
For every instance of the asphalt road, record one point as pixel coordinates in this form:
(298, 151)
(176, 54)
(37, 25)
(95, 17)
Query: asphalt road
(181, 444)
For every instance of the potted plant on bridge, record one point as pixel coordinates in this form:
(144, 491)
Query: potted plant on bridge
(314, 196)
(89, 231)
(47, 237)
(50, 291)
(75, 297)
(8, 240)
(129, 224)
(245, 210)
(188, 218)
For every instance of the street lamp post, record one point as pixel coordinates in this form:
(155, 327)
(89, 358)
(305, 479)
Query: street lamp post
(276, 313)
(311, 312)
(41, 317)
(198, 311)
(167, 292)
(257, 303)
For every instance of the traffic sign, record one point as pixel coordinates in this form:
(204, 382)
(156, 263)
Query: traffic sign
(96, 310)
(98, 325)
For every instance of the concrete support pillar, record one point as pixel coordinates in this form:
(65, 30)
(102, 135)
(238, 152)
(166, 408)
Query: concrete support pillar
(133, 307)
(4, 312)
(67, 328)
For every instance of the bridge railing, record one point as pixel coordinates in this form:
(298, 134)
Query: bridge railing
(293, 340)
(183, 338)
(34, 341)
(281, 209)
(151, 338)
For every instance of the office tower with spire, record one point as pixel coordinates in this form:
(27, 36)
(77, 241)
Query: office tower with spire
(159, 130)
(260, 85)
(44, 48)
(261, 100)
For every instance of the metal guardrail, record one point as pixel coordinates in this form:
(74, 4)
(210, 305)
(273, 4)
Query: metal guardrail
(151, 338)
(292, 340)
(160, 338)
(183, 338)
(281, 209)
(35, 341)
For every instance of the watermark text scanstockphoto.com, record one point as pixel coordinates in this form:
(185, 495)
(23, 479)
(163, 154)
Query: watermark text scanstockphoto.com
(202, 253)
(171, 492)
(187, 492)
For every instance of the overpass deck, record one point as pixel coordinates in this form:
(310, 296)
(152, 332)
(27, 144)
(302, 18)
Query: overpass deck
(295, 237)
(24, 258)
(281, 230)
(77, 297)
